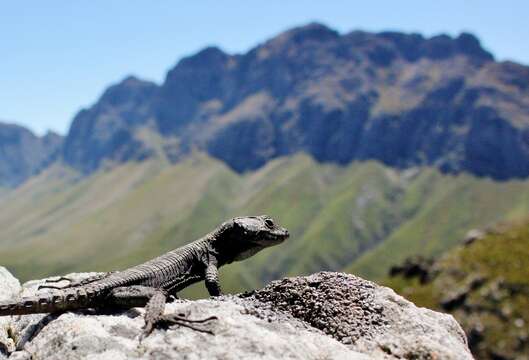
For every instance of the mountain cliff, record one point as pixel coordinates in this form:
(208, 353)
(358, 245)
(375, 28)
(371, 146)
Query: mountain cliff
(401, 99)
(106, 131)
(22, 153)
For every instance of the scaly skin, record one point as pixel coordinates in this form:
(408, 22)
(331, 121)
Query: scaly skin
(150, 283)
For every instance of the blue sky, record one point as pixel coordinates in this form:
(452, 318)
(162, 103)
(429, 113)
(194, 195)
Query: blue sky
(58, 56)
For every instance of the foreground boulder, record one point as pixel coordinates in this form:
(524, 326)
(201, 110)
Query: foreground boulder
(322, 316)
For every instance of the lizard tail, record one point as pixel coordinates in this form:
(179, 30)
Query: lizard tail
(48, 303)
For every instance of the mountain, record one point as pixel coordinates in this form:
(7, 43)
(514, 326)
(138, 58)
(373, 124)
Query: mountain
(22, 153)
(484, 283)
(107, 130)
(401, 99)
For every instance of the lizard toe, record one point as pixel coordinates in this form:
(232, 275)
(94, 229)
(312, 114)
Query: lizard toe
(62, 278)
(184, 321)
(147, 330)
(50, 287)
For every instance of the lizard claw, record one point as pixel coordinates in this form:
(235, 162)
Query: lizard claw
(54, 281)
(49, 287)
(147, 330)
(178, 319)
(59, 279)
(172, 298)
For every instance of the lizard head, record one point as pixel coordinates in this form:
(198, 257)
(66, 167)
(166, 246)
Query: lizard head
(250, 234)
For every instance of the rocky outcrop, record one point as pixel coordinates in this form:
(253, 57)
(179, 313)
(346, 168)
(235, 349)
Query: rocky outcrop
(325, 315)
(402, 99)
(9, 289)
(484, 284)
(417, 266)
(23, 153)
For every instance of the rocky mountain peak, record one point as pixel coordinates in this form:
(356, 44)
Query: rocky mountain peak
(313, 32)
(130, 90)
(210, 56)
(107, 129)
(469, 44)
(22, 153)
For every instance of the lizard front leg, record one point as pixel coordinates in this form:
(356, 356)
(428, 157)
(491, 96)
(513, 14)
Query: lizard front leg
(212, 277)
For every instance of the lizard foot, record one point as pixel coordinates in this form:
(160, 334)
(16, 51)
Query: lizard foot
(54, 281)
(50, 287)
(59, 279)
(176, 319)
(71, 282)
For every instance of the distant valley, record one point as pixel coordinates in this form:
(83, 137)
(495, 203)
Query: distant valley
(362, 218)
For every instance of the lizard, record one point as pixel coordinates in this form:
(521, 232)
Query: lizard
(152, 283)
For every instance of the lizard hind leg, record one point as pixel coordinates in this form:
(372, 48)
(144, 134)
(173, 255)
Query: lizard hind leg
(135, 296)
(154, 301)
(154, 315)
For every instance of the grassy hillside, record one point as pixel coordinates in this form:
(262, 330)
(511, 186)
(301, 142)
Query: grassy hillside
(363, 217)
(485, 285)
(444, 208)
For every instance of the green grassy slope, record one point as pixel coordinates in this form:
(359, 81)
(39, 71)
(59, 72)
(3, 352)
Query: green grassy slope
(490, 279)
(362, 217)
(444, 208)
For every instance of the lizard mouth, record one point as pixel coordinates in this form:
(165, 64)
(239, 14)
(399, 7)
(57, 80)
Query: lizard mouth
(277, 236)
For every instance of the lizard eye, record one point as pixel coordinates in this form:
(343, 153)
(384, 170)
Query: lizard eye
(269, 223)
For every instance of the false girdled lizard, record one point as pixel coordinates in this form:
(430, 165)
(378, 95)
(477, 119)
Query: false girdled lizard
(151, 283)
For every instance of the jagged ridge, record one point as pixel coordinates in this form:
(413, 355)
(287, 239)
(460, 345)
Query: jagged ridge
(22, 153)
(398, 98)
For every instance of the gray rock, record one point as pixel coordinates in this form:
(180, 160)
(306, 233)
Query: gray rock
(369, 318)
(472, 236)
(322, 316)
(9, 289)
(9, 285)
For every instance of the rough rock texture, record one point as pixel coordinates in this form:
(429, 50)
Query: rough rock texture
(369, 318)
(402, 99)
(9, 289)
(9, 285)
(322, 316)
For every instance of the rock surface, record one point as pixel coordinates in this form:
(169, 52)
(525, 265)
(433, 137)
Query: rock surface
(322, 316)
(9, 289)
